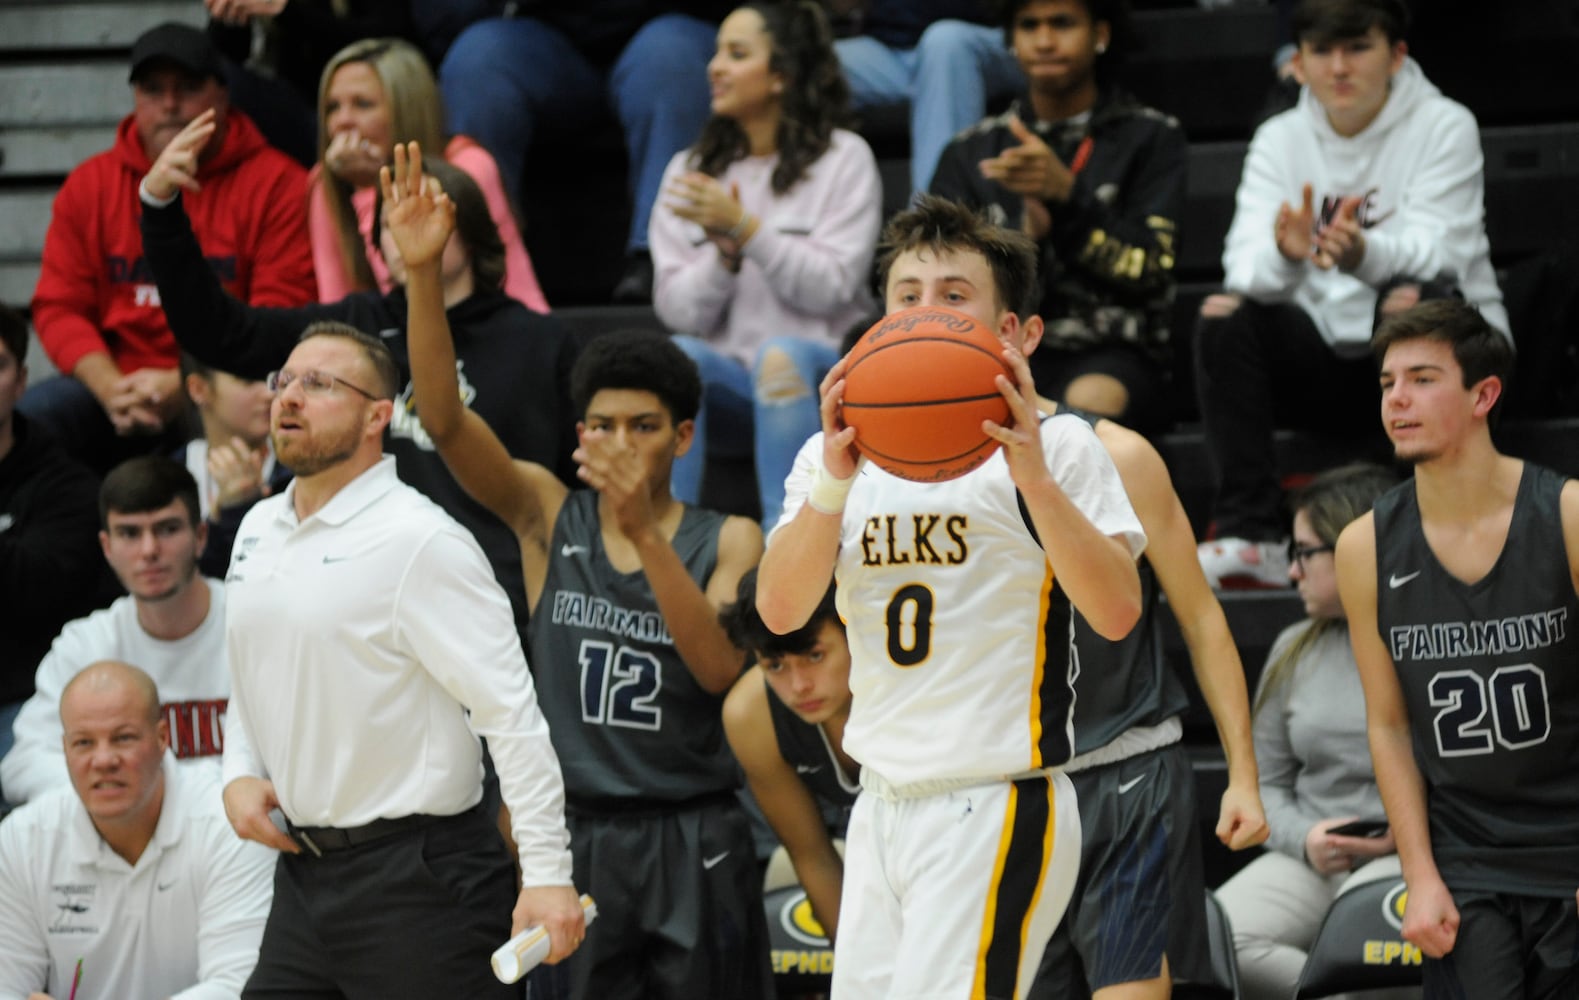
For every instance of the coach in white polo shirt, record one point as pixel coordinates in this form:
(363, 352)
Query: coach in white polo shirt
(132, 870)
(363, 624)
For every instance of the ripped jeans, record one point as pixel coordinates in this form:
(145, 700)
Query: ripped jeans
(766, 413)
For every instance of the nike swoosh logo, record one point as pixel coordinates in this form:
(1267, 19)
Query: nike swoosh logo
(807, 768)
(1395, 581)
(569, 550)
(1131, 783)
(165, 886)
(711, 863)
(334, 559)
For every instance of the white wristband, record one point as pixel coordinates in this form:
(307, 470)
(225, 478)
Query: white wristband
(828, 492)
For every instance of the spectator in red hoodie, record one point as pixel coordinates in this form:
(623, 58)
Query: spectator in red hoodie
(97, 309)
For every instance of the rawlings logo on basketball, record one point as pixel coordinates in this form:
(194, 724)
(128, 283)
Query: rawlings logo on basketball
(907, 320)
(917, 389)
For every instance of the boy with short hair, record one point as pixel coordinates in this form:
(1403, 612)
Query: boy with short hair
(1363, 199)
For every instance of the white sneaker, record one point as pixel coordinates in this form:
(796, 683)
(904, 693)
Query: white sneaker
(1237, 564)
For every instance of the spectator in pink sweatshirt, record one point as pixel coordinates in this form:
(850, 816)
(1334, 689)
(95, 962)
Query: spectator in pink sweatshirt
(373, 94)
(762, 241)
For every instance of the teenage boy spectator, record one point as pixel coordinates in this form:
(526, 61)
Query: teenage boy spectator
(96, 307)
(944, 58)
(624, 583)
(785, 721)
(129, 882)
(171, 624)
(1097, 179)
(564, 66)
(232, 460)
(48, 559)
(1361, 200)
(1462, 590)
(512, 364)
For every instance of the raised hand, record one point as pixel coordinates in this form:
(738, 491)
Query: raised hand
(839, 455)
(615, 469)
(418, 215)
(176, 167)
(1294, 229)
(1031, 169)
(236, 469)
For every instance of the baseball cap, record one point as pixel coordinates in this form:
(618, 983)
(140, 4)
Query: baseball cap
(182, 44)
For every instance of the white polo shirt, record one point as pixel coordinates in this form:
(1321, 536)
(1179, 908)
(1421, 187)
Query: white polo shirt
(359, 640)
(185, 921)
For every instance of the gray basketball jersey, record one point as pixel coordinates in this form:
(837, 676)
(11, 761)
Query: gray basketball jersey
(805, 747)
(1121, 684)
(628, 720)
(1490, 679)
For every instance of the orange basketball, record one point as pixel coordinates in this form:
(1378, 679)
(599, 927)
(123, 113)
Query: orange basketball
(916, 389)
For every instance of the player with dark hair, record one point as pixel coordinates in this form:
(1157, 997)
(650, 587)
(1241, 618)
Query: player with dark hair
(624, 583)
(1097, 179)
(1462, 591)
(962, 852)
(785, 721)
(1130, 774)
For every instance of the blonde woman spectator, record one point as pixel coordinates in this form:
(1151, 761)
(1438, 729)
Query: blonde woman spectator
(373, 94)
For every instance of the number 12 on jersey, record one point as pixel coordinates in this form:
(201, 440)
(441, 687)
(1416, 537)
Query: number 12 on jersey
(619, 686)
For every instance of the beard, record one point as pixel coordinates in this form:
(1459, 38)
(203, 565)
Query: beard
(309, 454)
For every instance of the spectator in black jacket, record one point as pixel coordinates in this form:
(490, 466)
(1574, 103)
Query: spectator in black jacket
(49, 534)
(513, 364)
(1098, 180)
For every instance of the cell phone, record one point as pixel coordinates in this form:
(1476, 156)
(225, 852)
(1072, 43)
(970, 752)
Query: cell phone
(1361, 828)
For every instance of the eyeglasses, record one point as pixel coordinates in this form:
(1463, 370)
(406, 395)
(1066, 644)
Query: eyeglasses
(1299, 553)
(313, 383)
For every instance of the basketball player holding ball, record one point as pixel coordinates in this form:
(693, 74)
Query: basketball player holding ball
(957, 597)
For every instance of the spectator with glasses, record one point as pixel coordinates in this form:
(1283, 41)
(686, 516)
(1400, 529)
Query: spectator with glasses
(1311, 748)
(512, 364)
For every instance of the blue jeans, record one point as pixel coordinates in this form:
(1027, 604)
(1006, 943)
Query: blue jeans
(947, 79)
(505, 77)
(745, 413)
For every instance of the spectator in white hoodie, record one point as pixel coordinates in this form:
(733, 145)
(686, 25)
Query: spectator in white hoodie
(1359, 201)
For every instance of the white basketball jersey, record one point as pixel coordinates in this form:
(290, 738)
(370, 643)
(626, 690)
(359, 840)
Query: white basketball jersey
(961, 660)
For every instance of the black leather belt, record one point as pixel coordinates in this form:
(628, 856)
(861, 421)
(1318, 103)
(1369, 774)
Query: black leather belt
(321, 840)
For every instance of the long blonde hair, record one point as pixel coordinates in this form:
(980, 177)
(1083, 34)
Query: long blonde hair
(1329, 501)
(415, 112)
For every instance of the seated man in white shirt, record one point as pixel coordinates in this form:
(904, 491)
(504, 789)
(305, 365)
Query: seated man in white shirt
(171, 624)
(130, 883)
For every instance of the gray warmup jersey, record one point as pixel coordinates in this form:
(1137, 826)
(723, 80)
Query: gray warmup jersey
(1490, 678)
(629, 722)
(1122, 684)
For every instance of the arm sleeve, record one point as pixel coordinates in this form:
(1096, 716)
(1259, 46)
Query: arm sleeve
(24, 950)
(1278, 765)
(520, 279)
(822, 271)
(691, 288)
(48, 560)
(66, 301)
(282, 256)
(457, 622)
(334, 281)
(238, 887)
(1129, 247)
(37, 762)
(247, 341)
(1442, 214)
(1252, 264)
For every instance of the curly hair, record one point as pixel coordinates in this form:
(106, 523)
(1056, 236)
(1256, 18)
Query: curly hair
(415, 113)
(815, 100)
